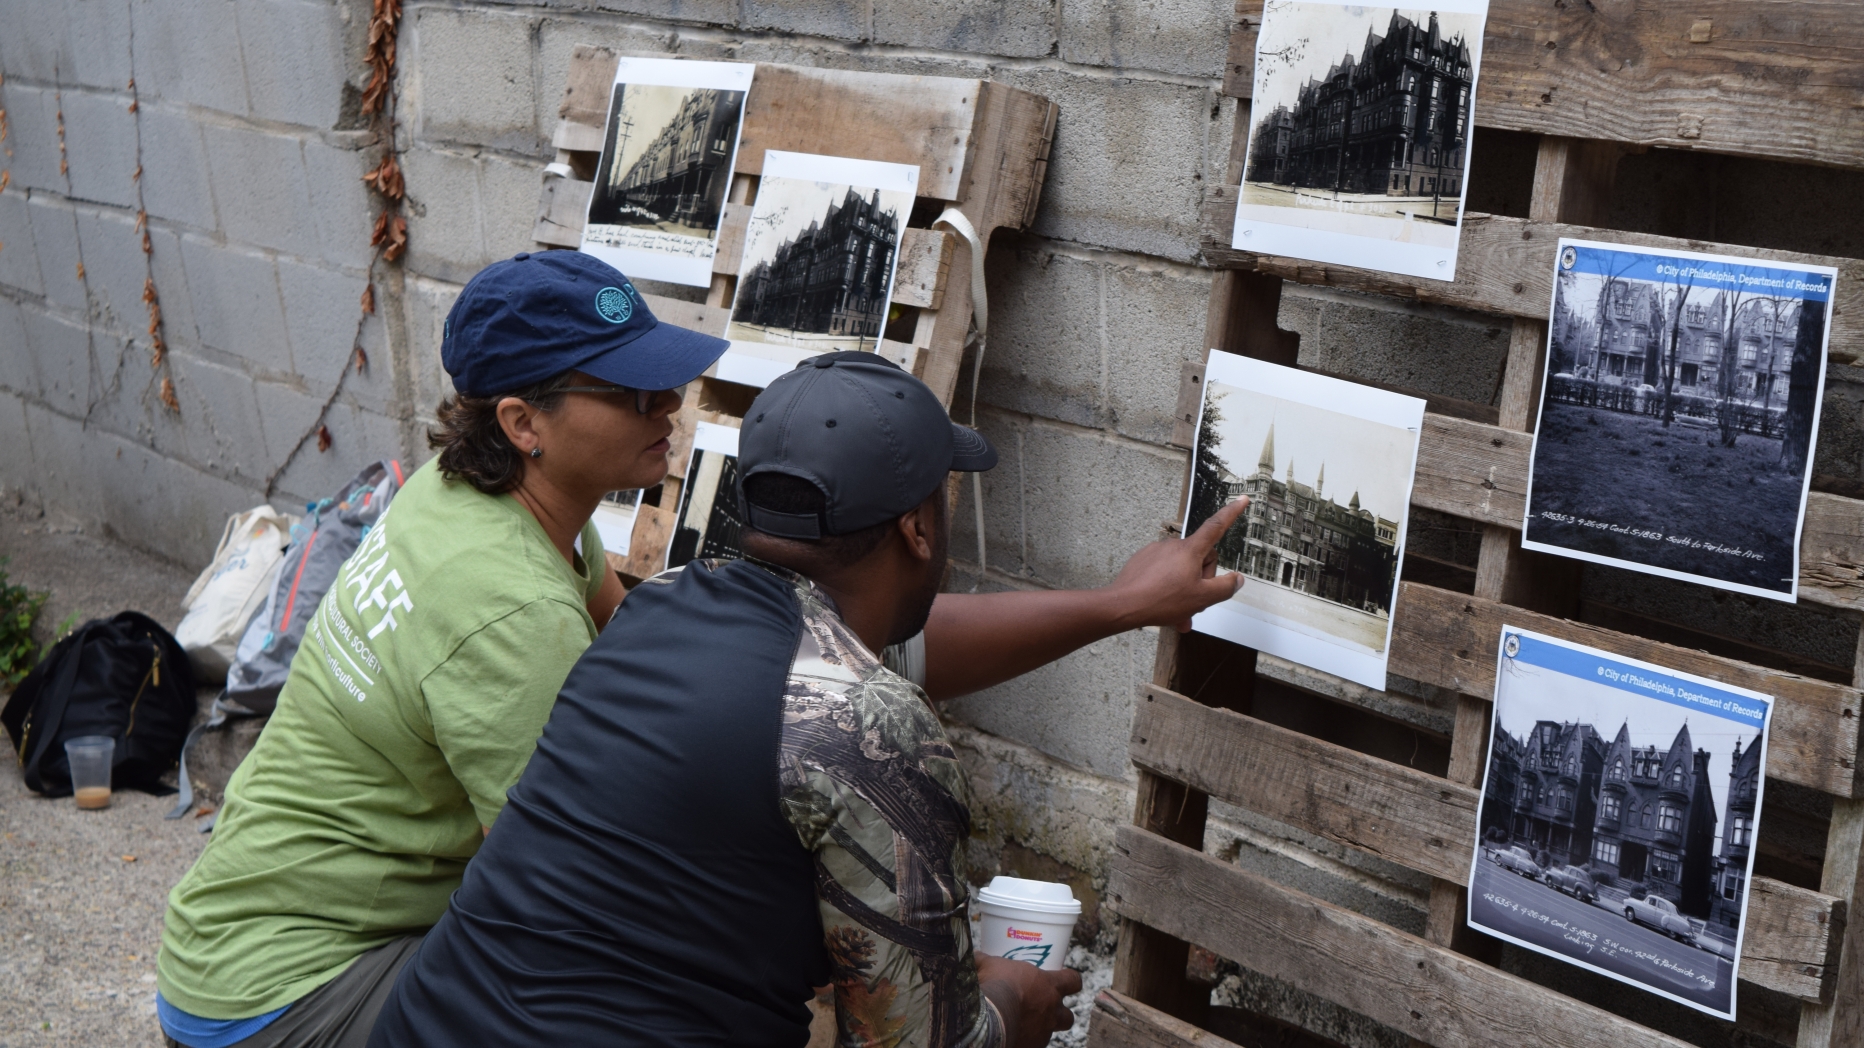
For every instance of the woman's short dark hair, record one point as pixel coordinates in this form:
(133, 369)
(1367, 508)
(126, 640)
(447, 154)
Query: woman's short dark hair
(472, 444)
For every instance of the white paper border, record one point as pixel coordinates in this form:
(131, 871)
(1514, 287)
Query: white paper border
(1760, 791)
(671, 72)
(1791, 595)
(1348, 249)
(1328, 394)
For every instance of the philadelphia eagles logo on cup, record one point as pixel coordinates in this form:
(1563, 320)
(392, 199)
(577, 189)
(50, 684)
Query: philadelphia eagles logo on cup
(614, 305)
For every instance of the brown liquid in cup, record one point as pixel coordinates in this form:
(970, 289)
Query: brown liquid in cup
(93, 796)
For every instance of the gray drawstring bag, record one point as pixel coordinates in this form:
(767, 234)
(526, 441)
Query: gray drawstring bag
(320, 543)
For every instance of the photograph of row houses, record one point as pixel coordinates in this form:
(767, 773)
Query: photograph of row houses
(1675, 385)
(1617, 817)
(1321, 541)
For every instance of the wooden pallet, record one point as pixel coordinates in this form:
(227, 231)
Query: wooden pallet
(981, 147)
(1596, 81)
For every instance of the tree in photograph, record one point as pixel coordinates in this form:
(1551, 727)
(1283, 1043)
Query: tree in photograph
(1727, 371)
(1618, 264)
(1781, 310)
(1679, 296)
(1802, 386)
(1207, 468)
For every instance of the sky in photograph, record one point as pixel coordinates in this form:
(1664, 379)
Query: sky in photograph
(649, 107)
(1530, 693)
(1579, 293)
(1311, 38)
(786, 206)
(1368, 457)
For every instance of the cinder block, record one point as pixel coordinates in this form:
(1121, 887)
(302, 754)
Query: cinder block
(474, 80)
(98, 34)
(426, 303)
(18, 469)
(357, 438)
(1435, 348)
(222, 431)
(35, 45)
(260, 186)
(61, 355)
(1047, 352)
(837, 19)
(558, 37)
(32, 124)
(236, 304)
(189, 51)
(55, 238)
(19, 259)
(446, 233)
(705, 12)
(115, 270)
(1078, 709)
(19, 372)
(343, 209)
(100, 139)
(1185, 37)
(294, 60)
(1013, 28)
(175, 176)
(784, 48)
(508, 194)
(1066, 507)
(1155, 323)
(1126, 167)
(322, 307)
(171, 289)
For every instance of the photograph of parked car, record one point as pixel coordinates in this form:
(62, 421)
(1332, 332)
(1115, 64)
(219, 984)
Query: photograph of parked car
(1617, 819)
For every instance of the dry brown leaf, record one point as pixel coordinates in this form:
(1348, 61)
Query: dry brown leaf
(148, 289)
(147, 248)
(323, 438)
(386, 178)
(136, 175)
(133, 106)
(63, 167)
(80, 271)
(205, 809)
(5, 177)
(127, 858)
(390, 234)
(142, 219)
(368, 298)
(157, 354)
(168, 395)
(362, 360)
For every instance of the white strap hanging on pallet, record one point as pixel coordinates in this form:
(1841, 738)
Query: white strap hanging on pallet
(980, 323)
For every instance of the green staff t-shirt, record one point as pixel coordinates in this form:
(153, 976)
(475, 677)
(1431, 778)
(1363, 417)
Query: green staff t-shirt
(422, 684)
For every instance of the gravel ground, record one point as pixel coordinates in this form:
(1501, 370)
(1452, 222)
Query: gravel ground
(82, 893)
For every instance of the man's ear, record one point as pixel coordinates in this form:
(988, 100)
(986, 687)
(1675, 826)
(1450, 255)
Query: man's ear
(518, 419)
(917, 526)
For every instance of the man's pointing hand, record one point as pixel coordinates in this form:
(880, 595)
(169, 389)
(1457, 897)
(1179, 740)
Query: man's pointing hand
(1167, 582)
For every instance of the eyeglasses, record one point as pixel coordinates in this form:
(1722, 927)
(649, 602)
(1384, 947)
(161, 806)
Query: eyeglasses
(644, 399)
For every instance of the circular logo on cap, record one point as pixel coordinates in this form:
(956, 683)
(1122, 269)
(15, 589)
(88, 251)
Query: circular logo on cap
(614, 305)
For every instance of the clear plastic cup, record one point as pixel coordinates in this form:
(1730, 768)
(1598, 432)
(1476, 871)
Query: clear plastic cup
(90, 758)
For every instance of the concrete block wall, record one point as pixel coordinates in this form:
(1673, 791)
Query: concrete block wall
(251, 148)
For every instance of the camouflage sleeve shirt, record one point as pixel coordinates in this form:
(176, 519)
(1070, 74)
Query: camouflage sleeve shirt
(875, 792)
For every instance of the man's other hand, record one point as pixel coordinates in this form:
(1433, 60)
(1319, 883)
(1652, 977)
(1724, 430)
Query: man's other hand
(1028, 998)
(1166, 583)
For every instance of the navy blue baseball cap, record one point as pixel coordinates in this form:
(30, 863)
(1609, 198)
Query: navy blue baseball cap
(536, 315)
(873, 438)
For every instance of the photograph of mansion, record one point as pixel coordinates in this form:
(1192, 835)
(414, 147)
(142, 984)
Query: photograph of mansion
(1394, 121)
(1626, 343)
(833, 278)
(1632, 816)
(1296, 537)
(677, 178)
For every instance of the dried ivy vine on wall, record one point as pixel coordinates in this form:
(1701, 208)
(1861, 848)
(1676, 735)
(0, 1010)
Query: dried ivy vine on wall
(158, 344)
(389, 233)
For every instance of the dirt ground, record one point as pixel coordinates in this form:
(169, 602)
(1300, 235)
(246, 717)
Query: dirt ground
(1626, 471)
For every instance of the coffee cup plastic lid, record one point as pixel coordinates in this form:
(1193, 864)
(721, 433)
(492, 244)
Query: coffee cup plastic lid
(1038, 896)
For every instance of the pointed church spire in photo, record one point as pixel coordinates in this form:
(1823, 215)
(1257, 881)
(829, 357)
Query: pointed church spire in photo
(1355, 503)
(1290, 479)
(1320, 482)
(1267, 462)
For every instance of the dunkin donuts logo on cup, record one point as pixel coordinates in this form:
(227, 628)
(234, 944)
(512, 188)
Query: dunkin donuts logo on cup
(1025, 936)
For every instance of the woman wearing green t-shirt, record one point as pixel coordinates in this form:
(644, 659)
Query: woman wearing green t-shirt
(428, 671)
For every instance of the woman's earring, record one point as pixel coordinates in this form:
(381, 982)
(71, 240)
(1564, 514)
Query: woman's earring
(537, 452)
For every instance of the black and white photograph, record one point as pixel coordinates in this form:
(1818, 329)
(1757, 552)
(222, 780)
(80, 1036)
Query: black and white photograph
(709, 520)
(1327, 467)
(614, 520)
(1679, 413)
(819, 259)
(667, 156)
(1616, 826)
(1360, 127)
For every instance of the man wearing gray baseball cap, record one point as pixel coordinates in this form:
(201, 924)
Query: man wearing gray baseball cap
(743, 792)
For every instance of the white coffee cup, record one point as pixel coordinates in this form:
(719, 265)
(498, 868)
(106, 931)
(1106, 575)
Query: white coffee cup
(1026, 920)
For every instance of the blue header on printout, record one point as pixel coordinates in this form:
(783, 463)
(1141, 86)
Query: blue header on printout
(1630, 263)
(1638, 680)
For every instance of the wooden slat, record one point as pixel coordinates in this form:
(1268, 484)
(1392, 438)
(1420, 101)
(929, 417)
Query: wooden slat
(1831, 551)
(562, 205)
(1118, 1021)
(1395, 978)
(1423, 822)
(1505, 265)
(925, 121)
(1775, 80)
(695, 315)
(1449, 639)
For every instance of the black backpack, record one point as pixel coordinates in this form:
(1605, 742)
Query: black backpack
(125, 678)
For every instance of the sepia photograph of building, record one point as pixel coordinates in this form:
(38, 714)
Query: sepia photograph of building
(819, 258)
(1620, 800)
(668, 151)
(1320, 544)
(709, 522)
(1675, 385)
(1360, 127)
